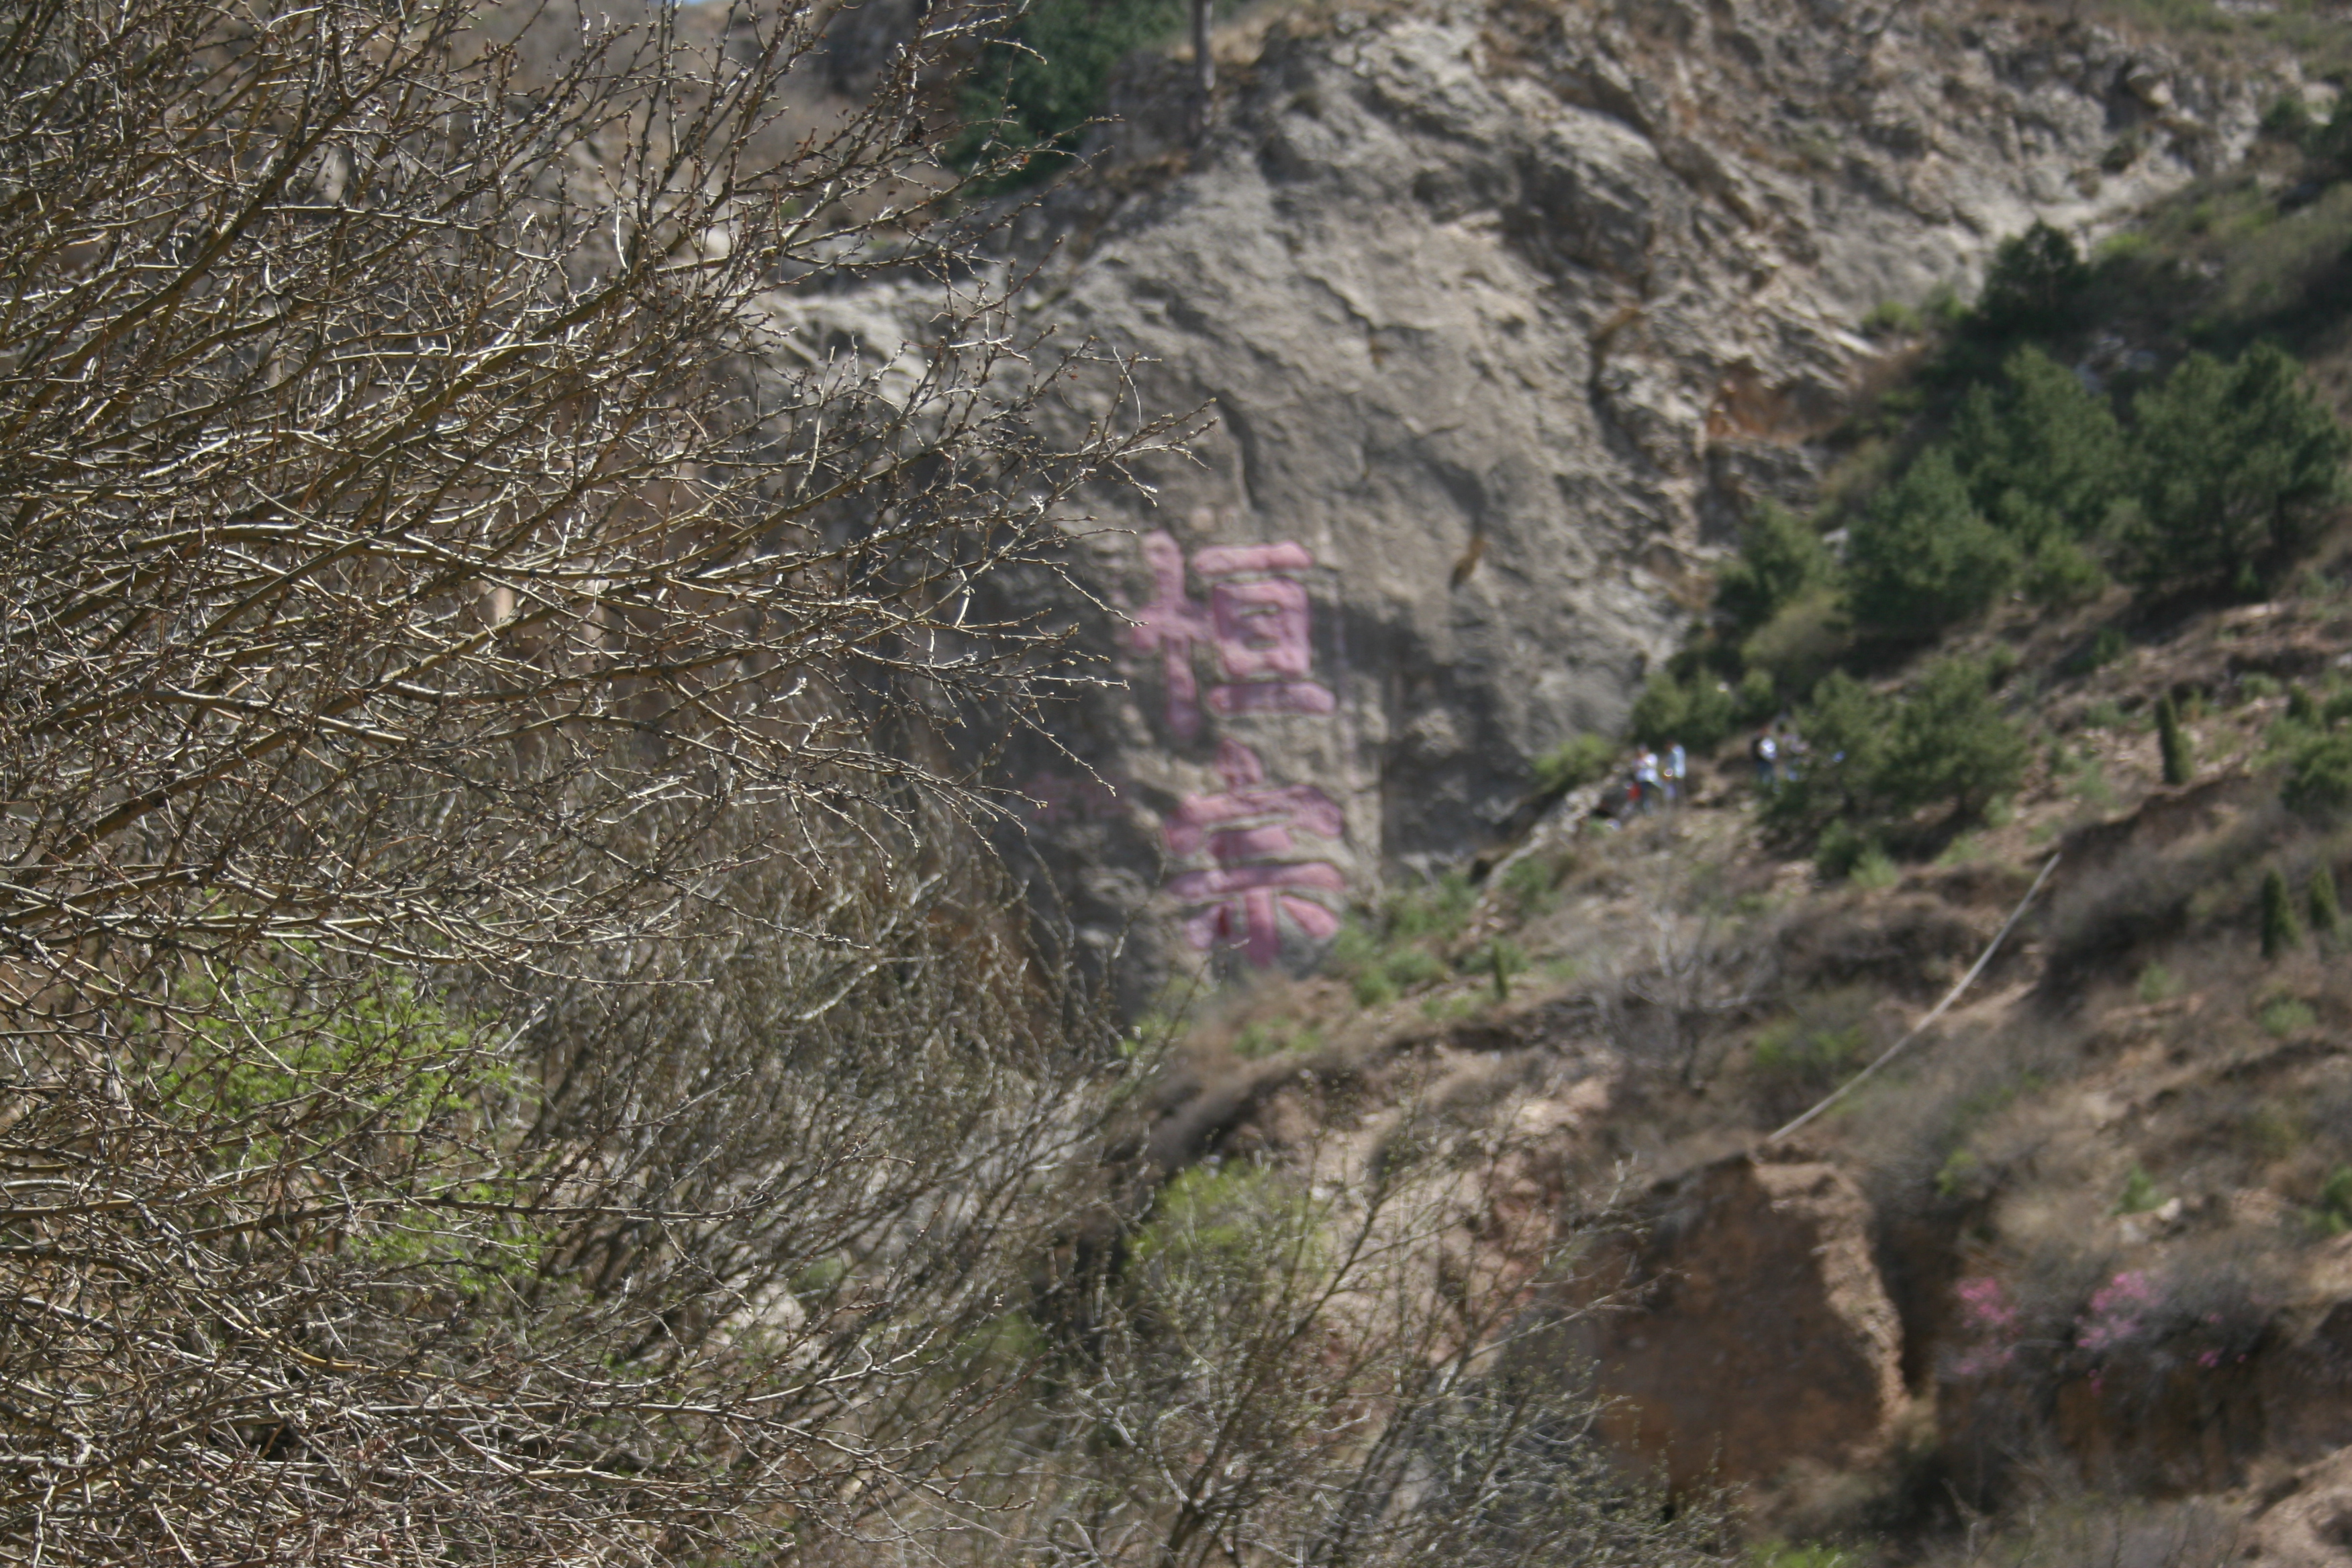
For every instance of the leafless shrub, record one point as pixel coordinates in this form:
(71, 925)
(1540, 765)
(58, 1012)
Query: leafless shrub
(1350, 1357)
(2144, 898)
(2074, 1529)
(510, 1053)
(434, 493)
(345, 1270)
(1697, 961)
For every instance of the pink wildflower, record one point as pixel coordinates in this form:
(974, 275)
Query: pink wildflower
(2118, 1312)
(1986, 1305)
(1992, 1321)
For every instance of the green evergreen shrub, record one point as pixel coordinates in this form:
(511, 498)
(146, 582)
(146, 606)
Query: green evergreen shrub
(2330, 143)
(1840, 848)
(2318, 779)
(2302, 707)
(2289, 119)
(2239, 464)
(1040, 85)
(2172, 742)
(2033, 279)
(2045, 461)
(1804, 640)
(2335, 1205)
(2061, 572)
(1894, 319)
(2327, 914)
(1846, 726)
(1699, 711)
(1411, 966)
(2280, 932)
(1922, 557)
(2140, 1193)
(1781, 556)
(1876, 758)
(1952, 745)
(1576, 762)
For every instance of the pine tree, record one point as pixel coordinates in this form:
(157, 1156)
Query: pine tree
(2327, 917)
(1922, 557)
(2279, 929)
(2240, 465)
(2043, 456)
(2172, 741)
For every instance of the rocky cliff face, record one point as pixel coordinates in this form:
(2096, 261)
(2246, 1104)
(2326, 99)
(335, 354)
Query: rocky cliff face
(1506, 314)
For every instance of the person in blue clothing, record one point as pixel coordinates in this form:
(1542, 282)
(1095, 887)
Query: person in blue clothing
(1675, 769)
(1766, 750)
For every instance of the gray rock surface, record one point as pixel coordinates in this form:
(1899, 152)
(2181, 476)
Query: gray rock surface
(1506, 314)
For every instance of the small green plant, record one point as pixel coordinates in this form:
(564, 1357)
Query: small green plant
(1256, 1040)
(1531, 880)
(1407, 967)
(2087, 782)
(1876, 870)
(2280, 932)
(1499, 960)
(1809, 1054)
(1780, 556)
(2283, 1017)
(1958, 1175)
(2139, 1195)
(1448, 1007)
(1215, 1219)
(2172, 742)
(2302, 707)
(1777, 1554)
(2268, 1132)
(2318, 781)
(2157, 984)
(1840, 849)
(2327, 914)
(1576, 762)
(2106, 713)
(1965, 850)
(2334, 1210)
(2061, 572)
(2289, 119)
(2107, 646)
(1433, 910)
(1374, 989)
(1698, 710)
(2257, 688)
(1893, 318)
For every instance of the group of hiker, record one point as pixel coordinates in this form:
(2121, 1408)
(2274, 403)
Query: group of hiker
(1661, 778)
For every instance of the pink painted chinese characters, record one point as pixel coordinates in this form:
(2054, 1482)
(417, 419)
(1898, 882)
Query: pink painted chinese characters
(1242, 897)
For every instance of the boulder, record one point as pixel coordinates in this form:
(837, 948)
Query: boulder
(2308, 1521)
